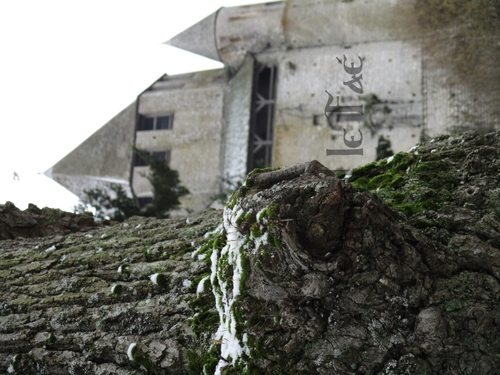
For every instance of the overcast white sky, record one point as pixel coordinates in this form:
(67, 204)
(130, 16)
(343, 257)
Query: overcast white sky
(68, 66)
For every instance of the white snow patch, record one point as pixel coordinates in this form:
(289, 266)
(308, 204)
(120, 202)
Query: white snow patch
(188, 221)
(233, 251)
(348, 175)
(52, 248)
(153, 278)
(138, 226)
(201, 286)
(413, 148)
(62, 258)
(206, 235)
(186, 283)
(99, 250)
(10, 369)
(259, 215)
(88, 235)
(390, 158)
(103, 235)
(262, 240)
(407, 169)
(113, 289)
(216, 230)
(193, 254)
(433, 150)
(120, 269)
(202, 256)
(129, 351)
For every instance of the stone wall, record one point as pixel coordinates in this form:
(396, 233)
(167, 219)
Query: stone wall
(196, 102)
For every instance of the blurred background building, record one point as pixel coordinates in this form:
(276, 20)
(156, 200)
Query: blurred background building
(266, 107)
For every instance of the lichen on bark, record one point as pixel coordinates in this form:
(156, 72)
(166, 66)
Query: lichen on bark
(59, 313)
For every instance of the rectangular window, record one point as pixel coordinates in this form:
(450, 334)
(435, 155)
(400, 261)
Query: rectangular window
(144, 201)
(163, 122)
(160, 155)
(148, 124)
(260, 147)
(142, 160)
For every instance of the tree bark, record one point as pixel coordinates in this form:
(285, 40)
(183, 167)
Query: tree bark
(74, 304)
(35, 222)
(302, 273)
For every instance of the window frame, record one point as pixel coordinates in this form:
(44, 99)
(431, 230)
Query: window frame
(140, 162)
(142, 119)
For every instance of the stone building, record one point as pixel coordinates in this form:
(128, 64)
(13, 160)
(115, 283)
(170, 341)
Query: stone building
(285, 63)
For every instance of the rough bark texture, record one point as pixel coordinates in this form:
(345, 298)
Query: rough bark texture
(302, 274)
(35, 222)
(73, 304)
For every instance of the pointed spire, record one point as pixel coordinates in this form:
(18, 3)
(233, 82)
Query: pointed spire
(48, 173)
(199, 38)
(230, 33)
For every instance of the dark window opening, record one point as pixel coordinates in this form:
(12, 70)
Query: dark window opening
(148, 123)
(141, 159)
(160, 155)
(260, 148)
(143, 202)
(163, 122)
